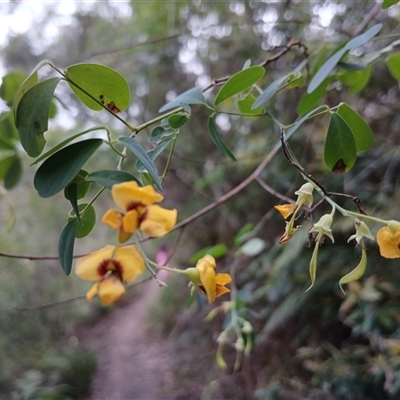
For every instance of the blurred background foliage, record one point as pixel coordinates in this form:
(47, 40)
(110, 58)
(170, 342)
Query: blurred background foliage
(318, 344)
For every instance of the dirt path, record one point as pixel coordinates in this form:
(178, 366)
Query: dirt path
(133, 363)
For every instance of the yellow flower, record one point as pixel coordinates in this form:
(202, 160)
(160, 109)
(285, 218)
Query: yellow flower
(286, 210)
(110, 266)
(140, 212)
(206, 280)
(388, 239)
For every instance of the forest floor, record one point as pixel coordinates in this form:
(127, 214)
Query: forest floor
(138, 361)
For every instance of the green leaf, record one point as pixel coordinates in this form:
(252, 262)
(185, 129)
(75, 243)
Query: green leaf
(309, 100)
(141, 154)
(357, 272)
(253, 247)
(362, 133)
(217, 251)
(62, 167)
(87, 220)
(326, 69)
(108, 178)
(389, 3)
(29, 82)
(82, 186)
(216, 138)
(71, 193)
(64, 143)
(13, 174)
(66, 245)
(352, 66)
(177, 120)
(8, 129)
(246, 106)
(393, 63)
(239, 82)
(192, 96)
(10, 85)
(340, 147)
(153, 154)
(107, 86)
(295, 80)
(243, 233)
(363, 38)
(297, 124)
(356, 80)
(33, 114)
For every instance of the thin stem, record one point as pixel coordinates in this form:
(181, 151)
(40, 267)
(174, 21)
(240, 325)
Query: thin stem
(164, 175)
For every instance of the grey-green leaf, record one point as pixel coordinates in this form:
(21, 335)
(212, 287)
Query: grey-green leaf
(141, 154)
(216, 138)
(108, 178)
(192, 96)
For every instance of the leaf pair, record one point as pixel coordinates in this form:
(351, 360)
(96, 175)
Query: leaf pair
(347, 134)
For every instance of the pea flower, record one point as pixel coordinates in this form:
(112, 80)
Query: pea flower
(362, 230)
(322, 228)
(304, 199)
(206, 280)
(111, 267)
(140, 211)
(388, 239)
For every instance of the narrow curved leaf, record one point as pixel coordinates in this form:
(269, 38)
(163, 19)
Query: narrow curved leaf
(153, 154)
(239, 82)
(340, 147)
(217, 251)
(141, 154)
(62, 167)
(33, 115)
(357, 272)
(216, 138)
(192, 96)
(107, 86)
(66, 245)
(363, 38)
(361, 131)
(326, 69)
(110, 177)
(71, 192)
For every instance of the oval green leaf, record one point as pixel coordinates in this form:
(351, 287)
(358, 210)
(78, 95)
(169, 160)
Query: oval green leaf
(33, 115)
(309, 100)
(82, 186)
(106, 86)
(340, 147)
(177, 120)
(217, 251)
(13, 174)
(389, 3)
(239, 82)
(141, 154)
(393, 63)
(66, 245)
(87, 220)
(246, 107)
(110, 177)
(216, 138)
(362, 133)
(192, 96)
(356, 80)
(62, 167)
(10, 85)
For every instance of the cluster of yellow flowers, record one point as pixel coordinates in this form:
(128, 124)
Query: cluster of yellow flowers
(112, 267)
(388, 237)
